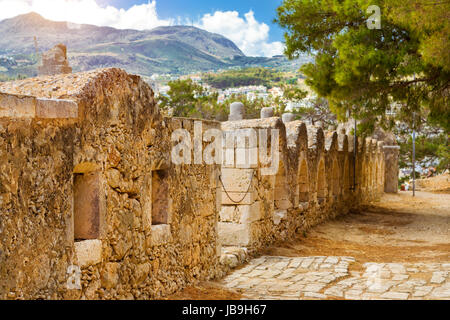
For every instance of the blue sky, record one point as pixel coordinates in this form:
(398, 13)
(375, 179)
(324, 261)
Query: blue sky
(248, 23)
(265, 10)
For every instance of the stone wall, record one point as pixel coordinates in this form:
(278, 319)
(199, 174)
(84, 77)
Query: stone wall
(93, 207)
(54, 61)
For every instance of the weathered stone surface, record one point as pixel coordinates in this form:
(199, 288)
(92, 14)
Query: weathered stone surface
(161, 234)
(267, 112)
(110, 275)
(237, 111)
(52, 108)
(55, 61)
(237, 180)
(241, 213)
(234, 234)
(88, 252)
(120, 133)
(14, 106)
(288, 117)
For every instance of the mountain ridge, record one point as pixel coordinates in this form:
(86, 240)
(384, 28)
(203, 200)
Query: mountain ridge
(166, 49)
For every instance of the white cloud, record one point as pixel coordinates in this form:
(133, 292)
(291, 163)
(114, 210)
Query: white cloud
(139, 17)
(249, 35)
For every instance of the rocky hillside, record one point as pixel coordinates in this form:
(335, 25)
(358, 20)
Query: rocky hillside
(174, 49)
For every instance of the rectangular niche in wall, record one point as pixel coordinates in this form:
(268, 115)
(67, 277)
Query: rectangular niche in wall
(87, 205)
(160, 197)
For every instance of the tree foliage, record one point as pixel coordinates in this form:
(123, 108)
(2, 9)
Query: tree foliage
(244, 77)
(366, 71)
(185, 98)
(188, 99)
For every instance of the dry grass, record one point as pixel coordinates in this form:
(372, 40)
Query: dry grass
(205, 291)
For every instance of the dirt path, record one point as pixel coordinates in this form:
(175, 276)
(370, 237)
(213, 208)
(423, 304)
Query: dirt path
(398, 228)
(398, 247)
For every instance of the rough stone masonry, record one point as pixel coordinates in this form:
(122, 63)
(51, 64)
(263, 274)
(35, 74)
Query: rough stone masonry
(91, 207)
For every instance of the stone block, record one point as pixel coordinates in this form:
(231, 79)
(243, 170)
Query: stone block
(88, 252)
(110, 275)
(234, 234)
(56, 109)
(278, 216)
(237, 111)
(267, 112)
(237, 180)
(228, 213)
(12, 106)
(241, 213)
(246, 158)
(160, 234)
(228, 158)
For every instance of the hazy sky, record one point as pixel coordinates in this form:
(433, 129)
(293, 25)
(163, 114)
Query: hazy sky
(249, 23)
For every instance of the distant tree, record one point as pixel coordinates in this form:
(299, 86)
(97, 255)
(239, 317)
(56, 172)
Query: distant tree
(318, 111)
(188, 99)
(432, 147)
(244, 77)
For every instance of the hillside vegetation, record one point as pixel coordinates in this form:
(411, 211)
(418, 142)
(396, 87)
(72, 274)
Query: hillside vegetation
(245, 77)
(173, 49)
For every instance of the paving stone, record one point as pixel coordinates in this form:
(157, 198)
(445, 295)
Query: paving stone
(296, 286)
(395, 295)
(438, 277)
(353, 294)
(314, 287)
(369, 296)
(379, 288)
(397, 268)
(441, 293)
(286, 275)
(315, 295)
(281, 265)
(307, 263)
(332, 260)
(422, 291)
(334, 291)
(295, 263)
(270, 274)
(255, 273)
(400, 277)
(319, 259)
(306, 277)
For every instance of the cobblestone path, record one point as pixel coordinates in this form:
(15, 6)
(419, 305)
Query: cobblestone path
(320, 277)
(397, 248)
